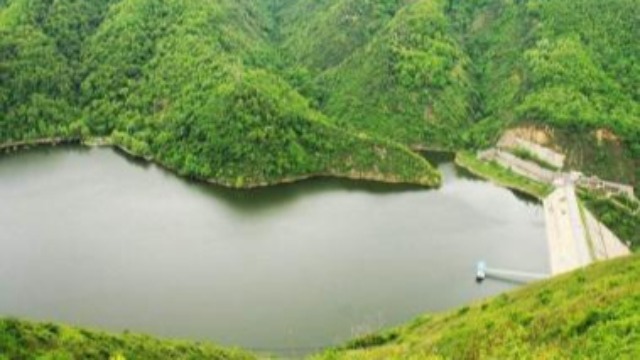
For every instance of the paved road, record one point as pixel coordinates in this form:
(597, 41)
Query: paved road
(566, 234)
(580, 235)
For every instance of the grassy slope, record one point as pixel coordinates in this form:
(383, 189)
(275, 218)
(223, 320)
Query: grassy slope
(591, 313)
(25, 340)
(502, 176)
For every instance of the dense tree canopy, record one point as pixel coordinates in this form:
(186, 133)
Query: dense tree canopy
(256, 91)
(197, 86)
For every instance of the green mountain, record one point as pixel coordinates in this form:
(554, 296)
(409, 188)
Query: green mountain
(192, 85)
(456, 74)
(410, 82)
(567, 66)
(591, 313)
(254, 92)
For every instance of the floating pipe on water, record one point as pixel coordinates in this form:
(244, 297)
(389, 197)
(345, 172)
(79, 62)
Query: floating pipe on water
(482, 272)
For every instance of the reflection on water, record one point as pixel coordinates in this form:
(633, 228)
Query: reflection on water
(256, 200)
(90, 239)
(264, 198)
(526, 198)
(466, 174)
(439, 157)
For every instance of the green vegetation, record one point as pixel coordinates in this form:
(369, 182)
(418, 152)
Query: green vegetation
(255, 92)
(609, 159)
(530, 156)
(319, 35)
(192, 85)
(560, 64)
(247, 93)
(620, 214)
(591, 313)
(411, 82)
(26, 340)
(455, 74)
(502, 176)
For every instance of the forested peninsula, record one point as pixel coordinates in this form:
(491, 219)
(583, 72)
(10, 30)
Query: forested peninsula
(255, 92)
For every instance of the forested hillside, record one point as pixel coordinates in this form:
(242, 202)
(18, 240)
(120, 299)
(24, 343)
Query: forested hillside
(193, 85)
(411, 82)
(254, 92)
(565, 65)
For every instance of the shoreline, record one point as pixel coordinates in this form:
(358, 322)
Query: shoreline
(507, 180)
(354, 176)
(93, 142)
(54, 141)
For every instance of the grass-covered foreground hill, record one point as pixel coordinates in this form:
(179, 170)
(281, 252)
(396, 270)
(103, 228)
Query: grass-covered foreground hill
(252, 92)
(24, 340)
(593, 313)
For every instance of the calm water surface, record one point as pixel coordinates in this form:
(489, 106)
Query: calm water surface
(88, 237)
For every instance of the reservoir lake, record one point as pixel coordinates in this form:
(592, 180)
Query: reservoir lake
(90, 237)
